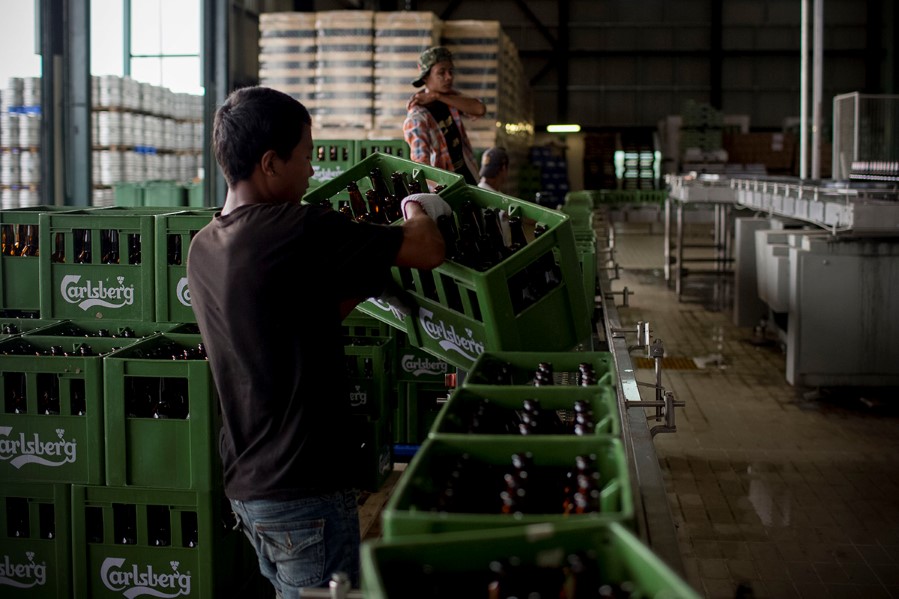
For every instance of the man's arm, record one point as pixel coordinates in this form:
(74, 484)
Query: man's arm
(417, 138)
(467, 104)
(422, 245)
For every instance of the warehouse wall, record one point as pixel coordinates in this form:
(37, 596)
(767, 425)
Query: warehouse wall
(631, 63)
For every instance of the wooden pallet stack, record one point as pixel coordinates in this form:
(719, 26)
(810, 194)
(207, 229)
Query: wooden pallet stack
(344, 71)
(287, 60)
(400, 37)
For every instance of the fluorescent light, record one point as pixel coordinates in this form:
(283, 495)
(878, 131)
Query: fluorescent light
(563, 128)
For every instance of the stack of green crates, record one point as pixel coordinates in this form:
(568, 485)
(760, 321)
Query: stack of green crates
(421, 390)
(105, 501)
(370, 353)
(331, 158)
(579, 207)
(446, 533)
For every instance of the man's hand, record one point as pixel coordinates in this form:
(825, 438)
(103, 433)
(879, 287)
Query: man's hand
(429, 203)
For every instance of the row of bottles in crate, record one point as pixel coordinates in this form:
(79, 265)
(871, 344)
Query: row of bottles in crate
(24, 240)
(472, 486)
(580, 576)
(160, 531)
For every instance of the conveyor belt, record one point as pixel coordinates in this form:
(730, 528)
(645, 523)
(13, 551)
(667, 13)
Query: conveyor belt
(652, 511)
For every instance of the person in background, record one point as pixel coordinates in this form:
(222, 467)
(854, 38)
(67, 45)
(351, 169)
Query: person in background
(270, 280)
(494, 169)
(433, 127)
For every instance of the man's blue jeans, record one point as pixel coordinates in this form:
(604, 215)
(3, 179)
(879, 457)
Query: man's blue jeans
(302, 542)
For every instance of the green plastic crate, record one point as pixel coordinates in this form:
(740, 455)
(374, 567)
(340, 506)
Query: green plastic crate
(458, 564)
(20, 275)
(202, 555)
(195, 194)
(392, 147)
(413, 508)
(369, 375)
(129, 195)
(462, 312)
(162, 194)
(518, 368)
(418, 404)
(587, 259)
(178, 452)
(14, 326)
(61, 447)
(372, 462)
(358, 324)
(109, 333)
(38, 562)
(331, 158)
(334, 190)
(123, 290)
(174, 233)
(456, 416)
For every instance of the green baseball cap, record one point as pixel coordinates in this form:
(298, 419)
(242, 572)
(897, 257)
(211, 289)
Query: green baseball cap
(428, 59)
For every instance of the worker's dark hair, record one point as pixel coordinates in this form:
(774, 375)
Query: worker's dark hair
(252, 121)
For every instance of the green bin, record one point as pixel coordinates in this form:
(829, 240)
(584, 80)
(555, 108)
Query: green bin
(459, 564)
(331, 158)
(502, 406)
(139, 542)
(179, 449)
(174, 233)
(518, 368)
(476, 464)
(392, 147)
(36, 540)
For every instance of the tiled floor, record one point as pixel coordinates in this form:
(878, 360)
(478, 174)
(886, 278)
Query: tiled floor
(776, 491)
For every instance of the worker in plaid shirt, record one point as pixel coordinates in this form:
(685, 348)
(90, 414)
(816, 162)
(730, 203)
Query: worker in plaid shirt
(433, 127)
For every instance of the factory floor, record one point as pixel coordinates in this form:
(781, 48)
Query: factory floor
(775, 491)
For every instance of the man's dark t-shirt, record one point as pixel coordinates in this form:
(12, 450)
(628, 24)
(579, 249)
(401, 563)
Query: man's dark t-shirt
(444, 118)
(265, 282)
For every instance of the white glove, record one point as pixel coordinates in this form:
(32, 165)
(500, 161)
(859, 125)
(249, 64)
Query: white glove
(431, 203)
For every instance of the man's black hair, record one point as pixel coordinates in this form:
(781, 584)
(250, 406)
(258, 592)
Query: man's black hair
(252, 121)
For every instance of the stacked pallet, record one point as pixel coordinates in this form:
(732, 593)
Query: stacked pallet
(400, 37)
(287, 46)
(344, 69)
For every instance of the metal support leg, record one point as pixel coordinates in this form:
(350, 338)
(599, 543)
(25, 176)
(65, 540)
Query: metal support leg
(679, 252)
(667, 239)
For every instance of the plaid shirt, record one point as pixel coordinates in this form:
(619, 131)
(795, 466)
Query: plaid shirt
(427, 144)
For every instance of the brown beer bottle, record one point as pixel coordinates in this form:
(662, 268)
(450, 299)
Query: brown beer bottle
(400, 190)
(31, 247)
(357, 202)
(110, 252)
(378, 183)
(376, 207)
(516, 230)
(59, 248)
(84, 255)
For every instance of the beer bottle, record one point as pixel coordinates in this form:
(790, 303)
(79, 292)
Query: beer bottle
(447, 225)
(124, 521)
(84, 251)
(46, 521)
(393, 208)
(79, 405)
(414, 186)
(378, 184)
(134, 248)
(158, 524)
(59, 248)
(17, 517)
(497, 248)
(332, 153)
(516, 230)
(344, 209)
(189, 529)
(467, 249)
(20, 241)
(376, 207)
(400, 190)
(31, 247)
(439, 188)
(7, 240)
(470, 214)
(110, 253)
(356, 200)
(320, 153)
(174, 249)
